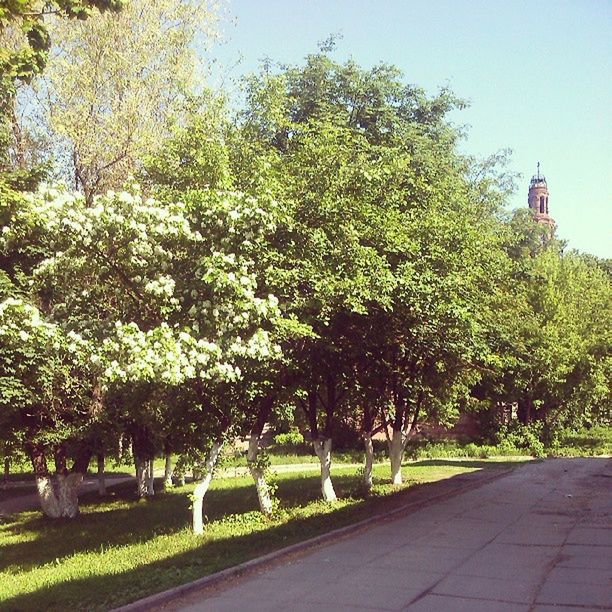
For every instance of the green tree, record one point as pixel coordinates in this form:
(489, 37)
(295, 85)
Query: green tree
(117, 83)
(388, 231)
(24, 51)
(167, 295)
(549, 335)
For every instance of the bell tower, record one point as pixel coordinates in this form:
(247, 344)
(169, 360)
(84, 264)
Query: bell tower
(538, 199)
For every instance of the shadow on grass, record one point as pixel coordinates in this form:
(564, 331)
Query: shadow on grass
(168, 514)
(103, 524)
(119, 520)
(13, 492)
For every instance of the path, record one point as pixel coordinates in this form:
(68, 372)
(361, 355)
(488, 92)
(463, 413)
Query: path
(284, 468)
(29, 501)
(537, 540)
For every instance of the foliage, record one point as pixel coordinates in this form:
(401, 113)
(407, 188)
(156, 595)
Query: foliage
(292, 438)
(28, 17)
(585, 442)
(24, 50)
(46, 392)
(115, 85)
(522, 437)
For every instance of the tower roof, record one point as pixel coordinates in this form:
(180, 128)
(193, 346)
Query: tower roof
(538, 180)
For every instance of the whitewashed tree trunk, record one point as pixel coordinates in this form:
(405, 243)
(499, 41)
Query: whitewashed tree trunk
(181, 479)
(101, 479)
(141, 476)
(168, 471)
(150, 478)
(323, 450)
(369, 461)
(396, 453)
(7, 468)
(202, 486)
(263, 490)
(58, 494)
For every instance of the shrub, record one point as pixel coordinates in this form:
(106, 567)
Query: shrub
(517, 437)
(292, 438)
(585, 442)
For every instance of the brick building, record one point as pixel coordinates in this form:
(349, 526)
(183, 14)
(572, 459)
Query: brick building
(538, 200)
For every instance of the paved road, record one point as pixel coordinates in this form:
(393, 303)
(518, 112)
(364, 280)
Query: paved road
(537, 540)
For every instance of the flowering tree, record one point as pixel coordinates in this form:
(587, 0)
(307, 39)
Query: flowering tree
(47, 400)
(165, 298)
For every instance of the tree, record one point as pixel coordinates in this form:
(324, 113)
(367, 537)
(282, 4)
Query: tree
(547, 337)
(117, 83)
(565, 381)
(168, 296)
(25, 44)
(389, 232)
(47, 401)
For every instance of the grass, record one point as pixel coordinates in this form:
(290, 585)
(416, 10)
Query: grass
(596, 441)
(119, 549)
(593, 442)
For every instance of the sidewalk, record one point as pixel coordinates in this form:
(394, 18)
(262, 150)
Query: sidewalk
(537, 540)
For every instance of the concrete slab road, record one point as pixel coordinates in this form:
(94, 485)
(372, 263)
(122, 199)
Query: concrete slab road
(537, 540)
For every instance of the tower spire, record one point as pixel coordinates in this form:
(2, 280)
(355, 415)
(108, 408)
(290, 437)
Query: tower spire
(538, 198)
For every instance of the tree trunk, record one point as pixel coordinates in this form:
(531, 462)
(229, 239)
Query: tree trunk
(143, 451)
(369, 461)
(396, 453)
(101, 480)
(258, 474)
(58, 494)
(180, 479)
(150, 478)
(168, 471)
(525, 410)
(7, 468)
(141, 476)
(202, 486)
(323, 450)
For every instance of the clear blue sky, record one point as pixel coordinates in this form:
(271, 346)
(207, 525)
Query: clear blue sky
(537, 74)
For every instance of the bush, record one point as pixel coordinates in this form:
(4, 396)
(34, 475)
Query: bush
(292, 438)
(517, 437)
(585, 442)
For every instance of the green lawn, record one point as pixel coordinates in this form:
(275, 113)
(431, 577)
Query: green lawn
(119, 549)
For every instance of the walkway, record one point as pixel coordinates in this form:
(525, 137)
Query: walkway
(29, 501)
(537, 540)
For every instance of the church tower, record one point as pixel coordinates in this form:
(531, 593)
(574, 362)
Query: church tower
(538, 199)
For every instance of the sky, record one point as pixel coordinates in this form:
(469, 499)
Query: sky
(537, 75)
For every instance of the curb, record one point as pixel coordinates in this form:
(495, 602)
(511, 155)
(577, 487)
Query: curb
(249, 567)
